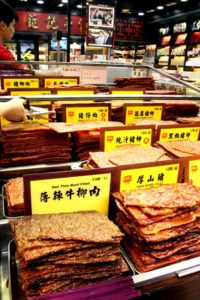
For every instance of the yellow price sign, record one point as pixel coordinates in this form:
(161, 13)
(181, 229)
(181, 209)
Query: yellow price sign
(178, 134)
(142, 112)
(74, 92)
(38, 103)
(112, 138)
(126, 92)
(84, 112)
(55, 82)
(29, 93)
(67, 192)
(147, 176)
(194, 171)
(20, 83)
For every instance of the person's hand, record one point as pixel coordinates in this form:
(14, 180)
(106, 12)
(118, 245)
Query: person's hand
(15, 110)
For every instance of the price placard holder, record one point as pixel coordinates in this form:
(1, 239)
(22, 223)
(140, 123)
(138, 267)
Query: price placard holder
(19, 82)
(144, 111)
(28, 92)
(143, 175)
(72, 113)
(192, 169)
(61, 192)
(169, 133)
(57, 81)
(113, 137)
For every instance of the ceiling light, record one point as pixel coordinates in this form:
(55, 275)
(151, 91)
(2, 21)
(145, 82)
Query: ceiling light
(126, 11)
(40, 2)
(150, 11)
(64, 1)
(60, 4)
(184, 0)
(171, 4)
(80, 6)
(140, 13)
(160, 7)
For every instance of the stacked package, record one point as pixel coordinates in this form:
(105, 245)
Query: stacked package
(161, 224)
(64, 251)
(24, 144)
(125, 155)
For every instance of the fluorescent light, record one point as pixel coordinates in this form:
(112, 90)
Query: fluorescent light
(140, 13)
(40, 2)
(150, 11)
(171, 4)
(160, 7)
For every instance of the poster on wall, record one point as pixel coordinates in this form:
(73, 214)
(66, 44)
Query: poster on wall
(164, 30)
(180, 27)
(101, 16)
(27, 51)
(100, 37)
(195, 25)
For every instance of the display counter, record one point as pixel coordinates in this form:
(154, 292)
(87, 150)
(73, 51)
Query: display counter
(170, 285)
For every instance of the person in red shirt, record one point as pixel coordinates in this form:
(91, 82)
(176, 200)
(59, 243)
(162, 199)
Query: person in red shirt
(8, 19)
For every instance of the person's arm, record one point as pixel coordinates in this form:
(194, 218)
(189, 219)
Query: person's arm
(13, 110)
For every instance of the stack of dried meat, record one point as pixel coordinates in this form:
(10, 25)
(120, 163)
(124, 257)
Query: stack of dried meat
(189, 120)
(180, 148)
(125, 155)
(178, 108)
(33, 144)
(14, 197)
(137, 82)
(86, 137)
(161, 224)
(63, 251)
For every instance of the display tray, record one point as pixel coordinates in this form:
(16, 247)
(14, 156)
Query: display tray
(15, 289)
(150, 282)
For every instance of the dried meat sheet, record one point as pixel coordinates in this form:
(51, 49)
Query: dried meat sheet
(178, 195)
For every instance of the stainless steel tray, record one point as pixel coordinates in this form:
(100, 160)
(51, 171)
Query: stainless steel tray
(15, 290)
(178, 270)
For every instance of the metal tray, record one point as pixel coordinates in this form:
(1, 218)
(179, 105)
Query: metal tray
(15, 290)
(178, 271)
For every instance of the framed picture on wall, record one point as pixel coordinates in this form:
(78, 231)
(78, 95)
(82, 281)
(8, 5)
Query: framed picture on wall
(100, 37)
(101, 16)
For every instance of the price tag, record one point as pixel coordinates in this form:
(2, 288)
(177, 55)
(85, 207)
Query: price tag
(20, 82)
(55, 82)
(150, 174)
(141, 112)
(61, 192)
(111, 138)
(73, 113)
(177, 133)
